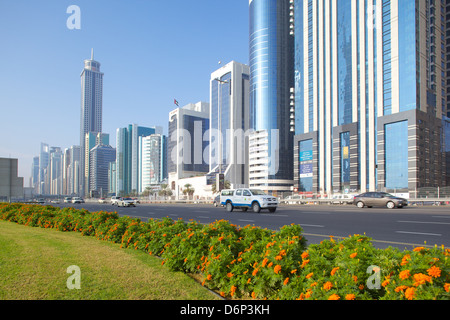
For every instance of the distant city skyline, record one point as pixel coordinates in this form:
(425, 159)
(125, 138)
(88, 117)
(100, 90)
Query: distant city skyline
(147, 58)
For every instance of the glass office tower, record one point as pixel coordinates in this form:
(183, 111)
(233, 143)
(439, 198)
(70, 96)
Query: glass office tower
(370, 95)
(271, 51)
(91, 108)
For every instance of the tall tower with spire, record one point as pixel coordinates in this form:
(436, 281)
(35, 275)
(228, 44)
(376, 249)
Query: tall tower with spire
(91, 106)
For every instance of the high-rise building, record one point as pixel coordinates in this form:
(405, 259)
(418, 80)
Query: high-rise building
(101, 156)
(127, 160)
(230, 123)
(152, 160)
(271, 80)
(92, 139)
(187, 143)
(91, 106)
(34, 174)
(43, 163)
(370, 95)
(11, 186)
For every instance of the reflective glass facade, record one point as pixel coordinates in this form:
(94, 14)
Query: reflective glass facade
(271, 52)
(396, 155)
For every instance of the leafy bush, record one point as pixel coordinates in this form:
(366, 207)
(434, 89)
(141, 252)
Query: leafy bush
(260, 263)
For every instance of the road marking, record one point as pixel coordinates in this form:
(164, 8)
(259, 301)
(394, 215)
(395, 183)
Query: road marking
(421, 233)
(311, 225)
(424, 222)
(203, 217)
(242, 220)
(275, 215)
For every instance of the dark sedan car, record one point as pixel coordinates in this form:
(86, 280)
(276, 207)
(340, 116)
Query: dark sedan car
(383, 199)
(216, 202)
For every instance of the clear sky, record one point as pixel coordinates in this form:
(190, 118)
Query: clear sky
(151, 52)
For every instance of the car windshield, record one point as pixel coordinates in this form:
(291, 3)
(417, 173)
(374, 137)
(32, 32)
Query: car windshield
(127, 199)
(257, 192)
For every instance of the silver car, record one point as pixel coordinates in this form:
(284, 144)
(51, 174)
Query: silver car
(379, 199)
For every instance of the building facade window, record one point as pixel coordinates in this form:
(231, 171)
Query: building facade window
(396, 155)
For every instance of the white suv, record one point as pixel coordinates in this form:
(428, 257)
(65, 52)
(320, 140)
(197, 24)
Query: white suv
(248, 198)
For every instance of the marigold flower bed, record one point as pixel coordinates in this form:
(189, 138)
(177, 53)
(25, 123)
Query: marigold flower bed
(260, 263)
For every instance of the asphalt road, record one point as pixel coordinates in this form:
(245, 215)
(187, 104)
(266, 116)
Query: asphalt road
(403, 228)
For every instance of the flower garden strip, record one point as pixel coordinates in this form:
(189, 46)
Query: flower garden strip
(260, 263)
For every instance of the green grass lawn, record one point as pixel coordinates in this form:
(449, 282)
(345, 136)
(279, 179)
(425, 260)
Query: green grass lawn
(34, 262)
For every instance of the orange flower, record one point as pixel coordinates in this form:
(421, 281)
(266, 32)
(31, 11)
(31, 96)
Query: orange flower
(255, 272)
(420, 279)
(447, 287)
(278, 258)
(355, 279)
(400, 288)
(294, 271)
(254, 295)
(409, 293)
(208, 277)
(229, 274)
(405, 259)
(328, 285)
(434, 272)
(334, 271)
(313, 284)
(270, 264)
(354, 254)
(221, 238)
(309, 275)
(334, 297)
(404, 275)
(233, 290)
(185, 259)
(305, 255)
(418, 249)
(286, 281)
(304, 263)
(385, 283)
(265, 262)
(222, 294)
(350, 296)
(277, 268)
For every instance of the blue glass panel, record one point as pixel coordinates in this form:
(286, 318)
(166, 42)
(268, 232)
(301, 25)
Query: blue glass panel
(396, 154)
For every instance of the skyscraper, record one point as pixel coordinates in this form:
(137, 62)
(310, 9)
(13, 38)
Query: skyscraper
(370, 96)
(100, 158)
(230, 122)
(271, 79)
(152, 160)
(91, 106)
(127, 160)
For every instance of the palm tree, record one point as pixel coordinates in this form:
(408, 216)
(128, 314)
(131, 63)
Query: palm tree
(227, 185)
(188, 190)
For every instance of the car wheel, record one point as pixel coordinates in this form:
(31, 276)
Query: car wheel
(360, 204)
(229, 207)
(256, 207)
(390, 205)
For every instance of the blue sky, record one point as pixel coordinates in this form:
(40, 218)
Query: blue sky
(151, 52)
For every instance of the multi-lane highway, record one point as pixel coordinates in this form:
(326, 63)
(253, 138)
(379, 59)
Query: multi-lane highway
(402, 228)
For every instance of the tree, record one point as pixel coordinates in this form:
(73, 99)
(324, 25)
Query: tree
(165, 191)
(227, 185)
(188, 190)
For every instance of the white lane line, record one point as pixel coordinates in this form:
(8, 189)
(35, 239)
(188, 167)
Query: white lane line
(311, 225)
(242, 220)
(421, 233)
(424, 222)
(275, 215)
